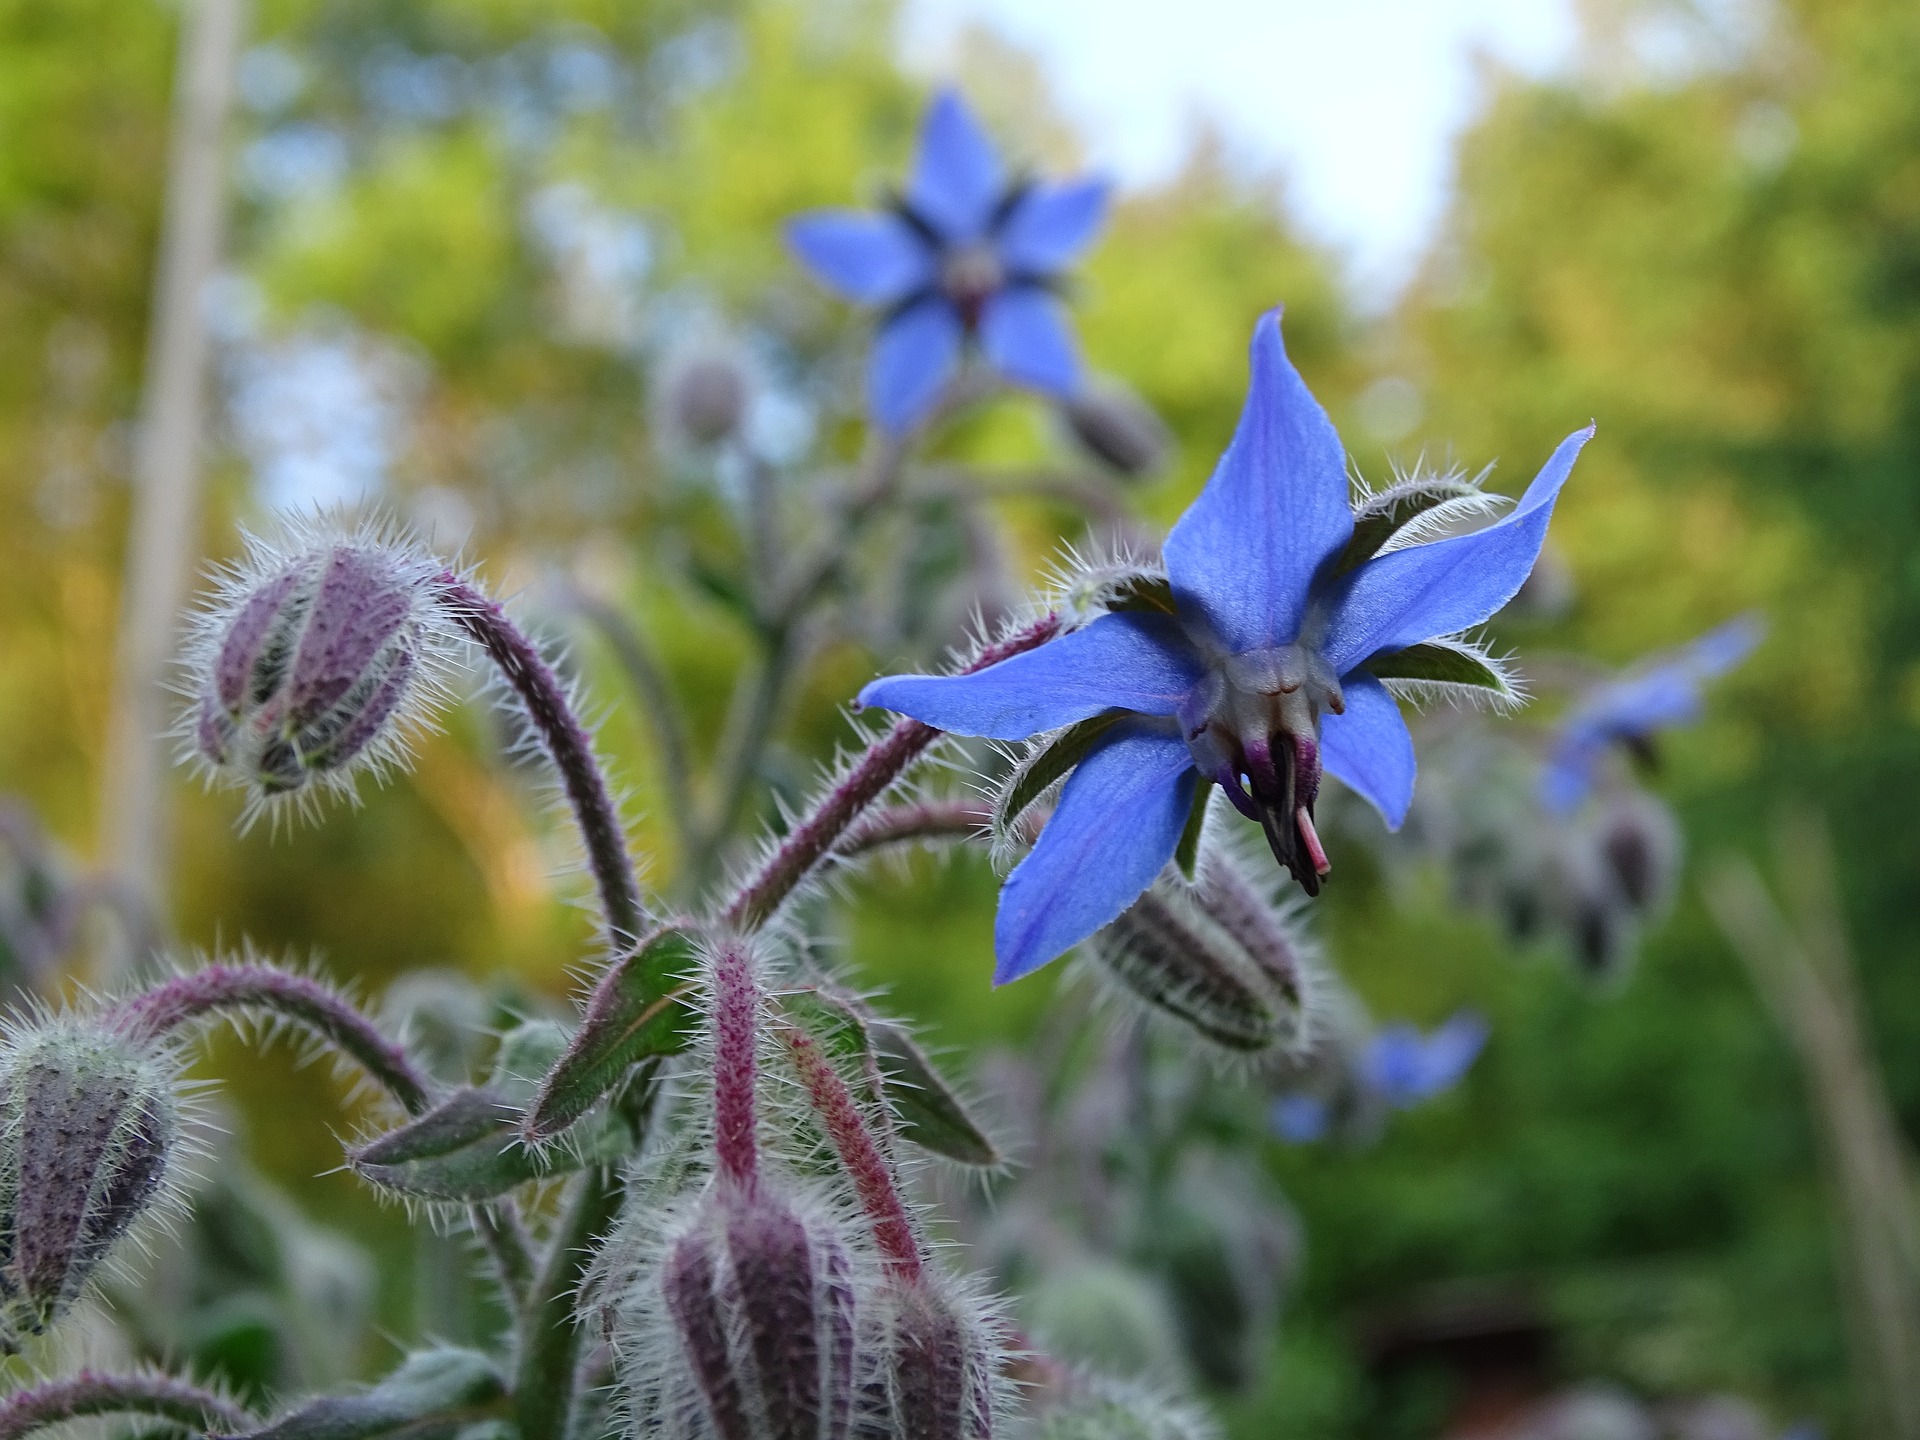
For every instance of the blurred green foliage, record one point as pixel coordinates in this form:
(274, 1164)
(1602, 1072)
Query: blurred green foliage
(1720, 263)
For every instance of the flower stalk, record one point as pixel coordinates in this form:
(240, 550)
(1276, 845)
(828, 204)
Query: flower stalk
(158, 1397)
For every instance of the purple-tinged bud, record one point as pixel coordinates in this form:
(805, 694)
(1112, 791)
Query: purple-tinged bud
(707, 399)
(944, 1359)
(313, 661)
(1230, 973)
(1118, 429)
(89, 1126)
(757, 1296)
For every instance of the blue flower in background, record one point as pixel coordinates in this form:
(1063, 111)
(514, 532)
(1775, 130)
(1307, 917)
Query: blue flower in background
(1406, 1067)
(965, 254)
(1400, 1065)
(1658, 695)
(1267, 660)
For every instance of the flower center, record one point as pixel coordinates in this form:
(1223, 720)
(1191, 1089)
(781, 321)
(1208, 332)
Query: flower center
(969, 277)
(1253, 726)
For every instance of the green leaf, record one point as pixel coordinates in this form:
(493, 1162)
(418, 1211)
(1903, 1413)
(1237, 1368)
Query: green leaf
(1048, 765)
(1438, 664)
(925, 1106)
(1383, 516)
(638, 1010)
(434, 1394)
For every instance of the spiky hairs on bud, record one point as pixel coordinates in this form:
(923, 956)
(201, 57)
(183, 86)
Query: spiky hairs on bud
(1100, 1408)
(944, 1346)
(314, 659)
(89, 1135)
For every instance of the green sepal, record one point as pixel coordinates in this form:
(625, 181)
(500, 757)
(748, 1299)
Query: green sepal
(637, 1011)
(434, 1395)
(1067, 750)
(1187, 853)
(1384, 515)
(469, 1149)
(1439, 665)
(1143, 592)
(924, 1105)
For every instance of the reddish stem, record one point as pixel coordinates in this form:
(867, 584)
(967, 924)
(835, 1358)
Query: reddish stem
(215, 988)
(859, 1153)
(161, 1397)
(922, 820)
(815, 837)
(736, 1004)
(568, 746)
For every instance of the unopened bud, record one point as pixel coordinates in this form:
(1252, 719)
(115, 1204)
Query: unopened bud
(707, 399)
(1172, 952)
(88, 1126)
(1640, 844)
(313, 661)
(1104, 1409)
(942, 1362)
(759, 1296)
(1118, 429)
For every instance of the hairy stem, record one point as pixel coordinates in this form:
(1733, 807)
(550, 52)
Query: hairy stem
(160, 1397)
(220, 988)
(815, 837)
(543, 1391)
(736, 1005)
(921, 820)
(508, 1247)
(860, 1154)
(567, 745)
(663, 713)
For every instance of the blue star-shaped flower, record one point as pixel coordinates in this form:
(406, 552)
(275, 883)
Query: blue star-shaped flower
(1264, 659)
(1401, 1066)
(964, 254)
(1657, 695)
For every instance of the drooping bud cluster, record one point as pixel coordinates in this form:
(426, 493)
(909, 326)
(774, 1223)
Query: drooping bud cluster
(89, 1126)
(313, 660)
(1215, 955)
(743, 1326)
(1118, 430)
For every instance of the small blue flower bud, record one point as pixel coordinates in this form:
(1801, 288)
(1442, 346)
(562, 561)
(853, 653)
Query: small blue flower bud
(312, 662)
(89, 1124)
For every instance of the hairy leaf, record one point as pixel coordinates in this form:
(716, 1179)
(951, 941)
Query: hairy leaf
(637, 1011)
(1144, 592)
(434, 1394)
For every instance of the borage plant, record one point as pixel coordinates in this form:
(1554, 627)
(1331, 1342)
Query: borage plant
(697, 1195)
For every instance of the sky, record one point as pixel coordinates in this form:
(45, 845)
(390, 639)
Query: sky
(1357, 101)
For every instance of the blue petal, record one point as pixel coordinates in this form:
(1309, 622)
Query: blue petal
(1051, 224)
(957, 180)
(1130, 661)
(875, 259)
(1116, 827)
(1025, 337)
(1394, 1064)
(913, 355)
(1300, 1119)
(1275, 509)
(1409, 596)
(1451, 1050)
(1369, 748)
(1567, 776)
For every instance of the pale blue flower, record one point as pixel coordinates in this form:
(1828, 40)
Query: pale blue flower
(1264, 659)
(1656, 695)
(1406, 1067)
(966, 255)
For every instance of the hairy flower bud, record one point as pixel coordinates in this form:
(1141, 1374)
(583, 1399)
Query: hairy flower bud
(1105, 1409)
(88, 1127)
(707, 399)
(1117, 429)
(942, 1361)
(1216, 957)
(312, 660)
(757, 1296)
